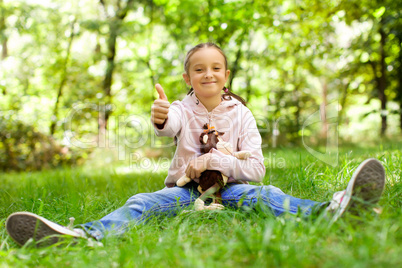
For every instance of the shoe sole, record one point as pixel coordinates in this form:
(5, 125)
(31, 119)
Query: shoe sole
(364, 188)
(22, 226)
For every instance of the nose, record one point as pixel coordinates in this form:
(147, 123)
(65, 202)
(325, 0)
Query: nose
(208, 73)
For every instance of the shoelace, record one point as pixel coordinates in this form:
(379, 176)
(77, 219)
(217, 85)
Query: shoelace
(71, 224)
(91, 241)
(336, 200)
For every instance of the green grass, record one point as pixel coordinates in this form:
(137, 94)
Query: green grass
(229, 238)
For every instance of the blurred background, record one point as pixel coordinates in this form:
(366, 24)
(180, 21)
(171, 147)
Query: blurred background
(77, 76)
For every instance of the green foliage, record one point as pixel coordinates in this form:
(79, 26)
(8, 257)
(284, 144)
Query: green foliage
(229, 238)
(22, 147)
(287, 58)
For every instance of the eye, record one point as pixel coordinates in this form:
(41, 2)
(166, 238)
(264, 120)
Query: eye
(198, 70)
(217, 68)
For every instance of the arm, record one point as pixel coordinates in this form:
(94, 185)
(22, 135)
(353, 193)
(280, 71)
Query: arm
(172, 125)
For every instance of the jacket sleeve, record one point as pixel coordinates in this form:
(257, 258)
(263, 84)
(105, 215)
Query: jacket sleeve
(252, 169)
(173, 123)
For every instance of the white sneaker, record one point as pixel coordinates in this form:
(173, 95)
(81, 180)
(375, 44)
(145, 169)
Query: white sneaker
(364, 189)
(23, 226)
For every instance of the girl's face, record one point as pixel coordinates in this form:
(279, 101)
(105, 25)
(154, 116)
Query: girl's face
(207, 73)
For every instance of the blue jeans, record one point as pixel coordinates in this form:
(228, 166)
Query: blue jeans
(170, 200)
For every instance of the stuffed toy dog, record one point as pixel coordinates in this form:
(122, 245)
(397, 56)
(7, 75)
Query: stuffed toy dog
(212, 181)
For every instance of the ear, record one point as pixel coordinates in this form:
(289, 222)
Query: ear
(187, 79)
(227, 74)
(205, 139)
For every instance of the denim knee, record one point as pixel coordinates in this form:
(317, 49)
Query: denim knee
(140, 202)
(138, 198)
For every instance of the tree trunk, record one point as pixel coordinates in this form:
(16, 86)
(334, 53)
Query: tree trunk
(381, 81)
(150, 33)
(235, 67)
(62, 83)
(323, 113)
(399, 89)
(4, 51)
(248, 76)
(400, 116)
(343, 103)
(296, 101)
(107, 83)
(115, 23)
(236, 64)
(382, 84)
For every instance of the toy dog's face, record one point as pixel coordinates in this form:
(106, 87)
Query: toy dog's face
(209, 139)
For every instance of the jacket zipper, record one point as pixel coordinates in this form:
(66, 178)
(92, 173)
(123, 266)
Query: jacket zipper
(210, 118)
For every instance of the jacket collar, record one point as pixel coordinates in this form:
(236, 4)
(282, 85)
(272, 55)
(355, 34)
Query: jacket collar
(195, 104)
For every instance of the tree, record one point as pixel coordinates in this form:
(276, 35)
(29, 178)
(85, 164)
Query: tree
(3, 35)
(374, 46)
(114, 19)
(62, 80)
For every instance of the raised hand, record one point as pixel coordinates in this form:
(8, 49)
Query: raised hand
(160, 108)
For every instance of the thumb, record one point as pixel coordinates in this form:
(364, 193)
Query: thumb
(161, 93)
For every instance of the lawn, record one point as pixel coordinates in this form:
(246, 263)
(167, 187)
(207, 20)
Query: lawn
(228, 238)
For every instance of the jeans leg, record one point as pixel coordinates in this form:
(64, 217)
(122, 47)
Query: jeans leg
(276, 200)
(139, 207)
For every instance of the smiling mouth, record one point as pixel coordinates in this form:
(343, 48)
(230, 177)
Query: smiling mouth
(207, 83)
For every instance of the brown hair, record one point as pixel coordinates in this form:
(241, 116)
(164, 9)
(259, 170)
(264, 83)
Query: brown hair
(229, 94)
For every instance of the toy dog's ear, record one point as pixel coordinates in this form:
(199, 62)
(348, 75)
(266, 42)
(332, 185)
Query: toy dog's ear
(204, 138)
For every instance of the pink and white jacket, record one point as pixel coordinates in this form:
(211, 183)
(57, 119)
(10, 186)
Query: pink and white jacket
(185, 121)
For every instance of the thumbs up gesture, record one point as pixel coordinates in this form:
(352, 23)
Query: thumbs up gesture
(160, 108)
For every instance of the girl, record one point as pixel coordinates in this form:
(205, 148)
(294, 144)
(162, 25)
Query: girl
(208, 101)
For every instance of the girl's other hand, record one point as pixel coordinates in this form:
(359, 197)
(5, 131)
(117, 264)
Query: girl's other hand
(160, 108)
(197, 166)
